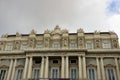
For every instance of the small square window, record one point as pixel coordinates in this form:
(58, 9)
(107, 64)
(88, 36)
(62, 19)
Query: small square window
(73, 61)
(55, 61)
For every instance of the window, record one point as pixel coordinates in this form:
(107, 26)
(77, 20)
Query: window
(55, 61)
(89, 45)
(56, 45)
(73, 73)
(39, 45)
(19, 73)
(3, 73)
(55, 72)
(111, 74)
(24, 45)
(106, 44)
(73, 44)
(73, 61)
(91, 74)
(36, 72)
(9, 46)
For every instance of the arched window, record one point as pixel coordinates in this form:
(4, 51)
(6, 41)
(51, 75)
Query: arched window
(3, 73)
(91, 71)
(111, 73)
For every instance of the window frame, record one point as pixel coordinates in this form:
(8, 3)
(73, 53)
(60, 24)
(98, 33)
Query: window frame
(24, 45)
(34, 76)
(89, 45)
(57, 75)
(9, 46)
(106, 44)
(72, 44)
(39, 45)
(18, 73)
(76, 76)
(114, 73)
(5, 74)
(56, 45)
(94, 77)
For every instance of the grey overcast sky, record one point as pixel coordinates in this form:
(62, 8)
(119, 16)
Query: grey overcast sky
(24, 15)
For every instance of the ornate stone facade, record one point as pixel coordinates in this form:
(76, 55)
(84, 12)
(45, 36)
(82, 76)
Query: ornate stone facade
(60, 54)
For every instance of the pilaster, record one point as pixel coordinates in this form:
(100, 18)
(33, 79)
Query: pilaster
(10, 69)
(13, 71)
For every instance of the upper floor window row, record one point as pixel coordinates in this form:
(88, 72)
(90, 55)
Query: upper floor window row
(90, 44)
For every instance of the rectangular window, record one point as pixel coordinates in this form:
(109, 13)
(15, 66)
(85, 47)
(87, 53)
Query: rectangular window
(39, 45)
(111, 74)
(55, 72)
(91, 74)
(19, 73)
(106, 44)
(73, 44)
(56, 45)
(9, 46)
(73, 61)
(89, 45)
(73, 73)
(24, 45)
(35, 74)
(3, 73)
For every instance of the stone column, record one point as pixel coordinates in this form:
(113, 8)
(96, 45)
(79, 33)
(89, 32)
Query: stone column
(67, 67)
(13, 71)
(62, 67)
(98, 69)
(30, 69)
(117, 68)
(84, 69)
(102, 69)
(10, 69)
(46, 67)
(42, 68)
(25, 69)
(80, 67)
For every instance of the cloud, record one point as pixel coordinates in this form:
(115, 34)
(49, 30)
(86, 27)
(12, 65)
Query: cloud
(25, 15)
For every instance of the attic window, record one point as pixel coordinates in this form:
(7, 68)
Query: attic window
(37, 61)
(73, 61)
(55, 61)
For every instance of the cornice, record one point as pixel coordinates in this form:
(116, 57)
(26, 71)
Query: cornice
(103, 51)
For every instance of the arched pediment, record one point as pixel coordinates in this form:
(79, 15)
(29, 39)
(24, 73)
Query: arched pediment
(109, 65)
(57, 30)
(91, 65)
(19, 66)
(4, 66)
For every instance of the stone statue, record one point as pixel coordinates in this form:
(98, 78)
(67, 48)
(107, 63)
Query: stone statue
(31, 43)
(47, 42)
(17, 45)
(80, 30)
(17, 34)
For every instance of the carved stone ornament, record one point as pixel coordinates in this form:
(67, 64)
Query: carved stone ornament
(97, 42)
(5, 35)
(64, 31)
(47, 42)
(33, 32)
(31, 43)
(65, 42)
(17, 45)
(18, 34)
(80, 30)
(115, 44)
(97, 32)
(47, 31)
(80, 42)
(57, 30)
